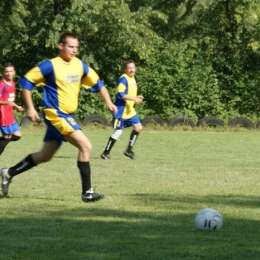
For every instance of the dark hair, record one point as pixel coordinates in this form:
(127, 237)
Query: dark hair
(66, 35)
(8, 64)
(128, 62)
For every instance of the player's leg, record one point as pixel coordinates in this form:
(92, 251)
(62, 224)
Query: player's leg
(4, 141)
(7, 132)
(16, 133)
(79, 140)
(135, 121)
(69, 128)
(10, 133)
(48, 150)
(53, 139)
(117, 131)
(16, 136)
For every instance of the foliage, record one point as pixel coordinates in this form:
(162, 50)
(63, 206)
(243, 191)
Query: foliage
(194, 58)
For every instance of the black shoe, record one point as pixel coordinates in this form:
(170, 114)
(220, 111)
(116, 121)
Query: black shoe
(130, 154)
(90, 196)
(5, 180)
(105, 156)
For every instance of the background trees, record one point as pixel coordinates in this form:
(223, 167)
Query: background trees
(194, 58)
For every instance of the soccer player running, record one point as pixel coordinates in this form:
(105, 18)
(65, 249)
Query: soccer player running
(8, 124)
(126, 98)
(61, 78)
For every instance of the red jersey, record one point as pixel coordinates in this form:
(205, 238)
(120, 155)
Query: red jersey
(7, 93)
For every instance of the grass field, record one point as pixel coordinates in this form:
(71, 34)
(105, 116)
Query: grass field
(150, 204)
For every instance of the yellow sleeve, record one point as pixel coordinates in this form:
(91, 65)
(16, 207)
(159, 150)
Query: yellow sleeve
(35, 76)
(91, 79)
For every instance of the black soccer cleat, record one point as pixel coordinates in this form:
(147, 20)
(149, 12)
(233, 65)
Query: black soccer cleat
(130, 154)
(5, 180)
(90, 196)
(105, 156)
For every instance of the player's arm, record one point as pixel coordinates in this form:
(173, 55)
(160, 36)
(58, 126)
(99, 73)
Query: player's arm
(11, 104)
(92, 82)
(106, 97)
(31, 112)
(138, 99)
(35, 77)
(121, 92)
(8, 103)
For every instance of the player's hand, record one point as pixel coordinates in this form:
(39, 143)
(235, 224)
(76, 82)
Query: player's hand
(19, 108)
(33, 115)
(139, 99)
(112, 108)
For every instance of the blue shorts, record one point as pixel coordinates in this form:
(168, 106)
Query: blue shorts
(58, 124)
(120, 123)
(8, 130)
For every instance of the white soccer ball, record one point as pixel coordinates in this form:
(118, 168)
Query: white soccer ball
(208, 220)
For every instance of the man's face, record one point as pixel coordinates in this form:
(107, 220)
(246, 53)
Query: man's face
(130, 69)
(69, 49)
(9, 73)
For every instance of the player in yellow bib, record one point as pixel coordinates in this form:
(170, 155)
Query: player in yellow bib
(61, 79)
(126, 98)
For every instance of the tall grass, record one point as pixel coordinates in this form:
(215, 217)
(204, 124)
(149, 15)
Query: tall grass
(150, 203)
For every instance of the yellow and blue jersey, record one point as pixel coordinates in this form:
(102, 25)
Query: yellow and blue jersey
(61, 82)
(125, 86)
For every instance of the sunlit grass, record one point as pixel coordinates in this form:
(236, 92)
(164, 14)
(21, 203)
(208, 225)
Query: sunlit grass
(150, 203)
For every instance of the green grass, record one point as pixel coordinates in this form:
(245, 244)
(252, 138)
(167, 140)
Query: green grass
(150, 203)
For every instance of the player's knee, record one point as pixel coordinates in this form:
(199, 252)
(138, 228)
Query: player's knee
(89, 147)
(7, 137)
(86, 149)
(138, 128)
(115, 135)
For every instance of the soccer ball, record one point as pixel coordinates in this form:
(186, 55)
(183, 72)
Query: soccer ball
(208, 220)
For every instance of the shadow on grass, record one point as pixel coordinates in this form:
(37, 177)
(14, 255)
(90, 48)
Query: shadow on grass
(231, 200)
(91, 231)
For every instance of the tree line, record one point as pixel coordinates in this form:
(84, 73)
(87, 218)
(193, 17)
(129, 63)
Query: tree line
(194, 57)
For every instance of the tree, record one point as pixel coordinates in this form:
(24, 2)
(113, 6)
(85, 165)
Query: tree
(194, 57)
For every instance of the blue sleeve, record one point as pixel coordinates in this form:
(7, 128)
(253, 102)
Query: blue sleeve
(26, 84)
(37, 76)
(121, 83)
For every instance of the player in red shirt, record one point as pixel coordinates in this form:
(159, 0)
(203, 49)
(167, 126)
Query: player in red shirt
(8, 124)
